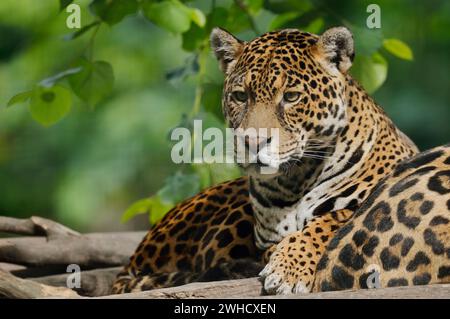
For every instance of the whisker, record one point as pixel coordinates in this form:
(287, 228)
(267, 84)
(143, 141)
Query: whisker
(313, 147)
(320, 144)
(319, 148)
(318, 152)
(317, 156)
(318, 139)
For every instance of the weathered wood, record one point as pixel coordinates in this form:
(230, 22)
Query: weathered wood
(34, 226)
(88, 251)
(94, 283)
(441, 291)
(13, 287)
(16, 288)
(239, 288)
(11, 267)
(251, 288)
(22, 271)
(59, 246)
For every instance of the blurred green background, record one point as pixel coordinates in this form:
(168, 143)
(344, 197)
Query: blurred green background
(86, 169)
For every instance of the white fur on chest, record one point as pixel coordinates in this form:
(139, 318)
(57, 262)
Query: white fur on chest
(286, 221)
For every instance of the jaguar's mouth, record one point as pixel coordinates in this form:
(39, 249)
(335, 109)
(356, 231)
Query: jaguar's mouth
(260, 168)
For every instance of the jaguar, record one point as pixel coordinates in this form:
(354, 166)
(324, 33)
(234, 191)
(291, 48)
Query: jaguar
(343, 195)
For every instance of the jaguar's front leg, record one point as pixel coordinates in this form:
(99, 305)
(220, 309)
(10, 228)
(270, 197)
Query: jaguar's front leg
(291, 267)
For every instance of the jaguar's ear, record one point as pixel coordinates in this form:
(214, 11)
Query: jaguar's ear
(336, 47)
(226, 47)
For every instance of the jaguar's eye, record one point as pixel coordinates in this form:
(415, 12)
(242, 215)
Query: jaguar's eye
(239, 96)
(291, 97)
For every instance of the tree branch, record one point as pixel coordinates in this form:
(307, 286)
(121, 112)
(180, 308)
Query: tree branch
(94, 283)
(251, 288)
(17, 288)
(11, 267)
(35, 226)
(61, 246)
(87, 251)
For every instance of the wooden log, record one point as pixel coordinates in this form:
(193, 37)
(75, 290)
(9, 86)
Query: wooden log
(238, 288)
(34, 226)
(88, 251)
(13, 287)
(94, 283)
(251, 288)
(59, 246)
(16, 288)
(11, 267)
(438, 291)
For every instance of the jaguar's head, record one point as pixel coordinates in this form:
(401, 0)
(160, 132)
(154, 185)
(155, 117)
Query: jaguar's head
(287, 88)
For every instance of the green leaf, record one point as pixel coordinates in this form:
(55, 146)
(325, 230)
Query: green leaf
(113, 11)
(141, 206)
(94, 82)
(48, 82)
(82, 31)
(176, 188)
(64, 4)
(179, 187)
(371, 71)
(398, 48)
(49, 104)
(153, 206)
(367, 41)
(197, 16)
(19, 98)
(170, 15)
(282, 19)
(158, 209)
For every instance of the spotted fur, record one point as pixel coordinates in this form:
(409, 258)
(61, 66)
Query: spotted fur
(335, 145)
(401, 232)
(209, 236)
